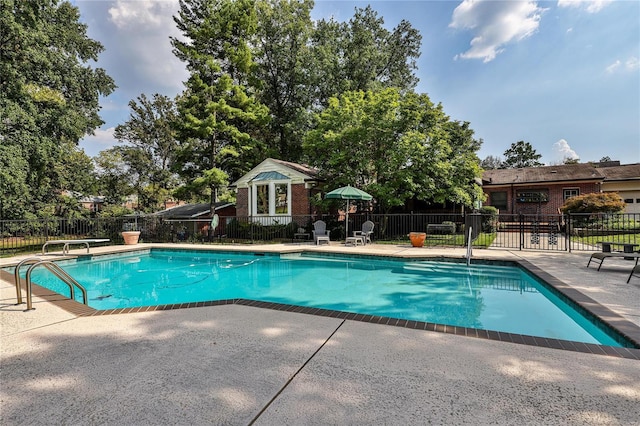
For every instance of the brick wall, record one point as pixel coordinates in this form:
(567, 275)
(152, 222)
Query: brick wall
(299, 200)
(555, 199)
(242, 202)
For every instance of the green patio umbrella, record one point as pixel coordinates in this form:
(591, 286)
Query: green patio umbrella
(348, 193)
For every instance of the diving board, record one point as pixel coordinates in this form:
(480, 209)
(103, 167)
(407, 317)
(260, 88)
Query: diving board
(67, 243)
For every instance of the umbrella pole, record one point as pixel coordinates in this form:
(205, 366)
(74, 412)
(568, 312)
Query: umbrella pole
(346, 223)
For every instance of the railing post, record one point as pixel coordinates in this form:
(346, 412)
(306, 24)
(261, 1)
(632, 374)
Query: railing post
(567, 231)
(472, 221)
(521, 220)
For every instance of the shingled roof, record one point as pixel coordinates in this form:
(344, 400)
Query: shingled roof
(624, 172)
(302, 168)
(560, 173)
(190, 211)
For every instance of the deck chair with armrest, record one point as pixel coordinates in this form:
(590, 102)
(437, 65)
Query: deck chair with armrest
(366, 232)
(319, 230)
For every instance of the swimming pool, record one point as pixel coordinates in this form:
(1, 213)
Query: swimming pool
(487, 296)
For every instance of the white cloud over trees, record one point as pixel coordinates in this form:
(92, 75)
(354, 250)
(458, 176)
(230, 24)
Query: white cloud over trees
(495, 25)
(591, 6)
(562, 151)
(143, 31)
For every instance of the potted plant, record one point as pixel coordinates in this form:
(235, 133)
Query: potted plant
(417, 238)
(131, 234)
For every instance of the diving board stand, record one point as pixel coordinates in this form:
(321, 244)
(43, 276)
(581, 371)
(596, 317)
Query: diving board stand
(67, 243)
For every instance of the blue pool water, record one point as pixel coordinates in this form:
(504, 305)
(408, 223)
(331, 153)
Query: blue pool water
(500, 298)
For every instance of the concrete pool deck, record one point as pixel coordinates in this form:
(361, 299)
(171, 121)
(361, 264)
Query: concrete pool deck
(243, 365)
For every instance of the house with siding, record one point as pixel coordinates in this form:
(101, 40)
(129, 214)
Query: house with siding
(625, 180)
(543, 190)
(276, 191)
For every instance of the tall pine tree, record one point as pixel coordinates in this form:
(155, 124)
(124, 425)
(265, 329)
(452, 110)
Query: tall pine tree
(217, 109)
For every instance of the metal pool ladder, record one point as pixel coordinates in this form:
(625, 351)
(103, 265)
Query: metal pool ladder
(55, 269)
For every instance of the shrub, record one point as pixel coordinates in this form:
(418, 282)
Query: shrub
(489, 219)
(601, 202)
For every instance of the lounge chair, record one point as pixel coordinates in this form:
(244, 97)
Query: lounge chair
(601, 256)
(635, 271)
(366, 232)
(320, 230)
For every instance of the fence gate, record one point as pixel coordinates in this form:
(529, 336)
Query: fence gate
(531, 232)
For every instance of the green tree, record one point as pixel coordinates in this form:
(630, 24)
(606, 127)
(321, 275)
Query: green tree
(49, 97)
(14, 171)
(600, 202)
(490, 163)
(376, 57)
(113, 176)
(283, 64)
(217, 108)
(394, 146)
(150, 147)
(363, 55)
(463, 185)
(521, 154)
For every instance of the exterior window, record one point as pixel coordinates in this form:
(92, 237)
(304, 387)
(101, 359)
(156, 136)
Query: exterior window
(262, 199)
(628, 200)
(569, 193)
(271, 198)
(532, 197)
(282, 202)
(499, 200)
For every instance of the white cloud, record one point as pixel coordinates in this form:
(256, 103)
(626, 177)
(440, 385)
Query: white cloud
(630, 65)
(495, 24)
(562, 151)
(142, 13)
(591, 6)
(101, 140)
(143, 31)
(614, 66)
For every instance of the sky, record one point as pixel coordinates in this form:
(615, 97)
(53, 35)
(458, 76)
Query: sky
(562, 75)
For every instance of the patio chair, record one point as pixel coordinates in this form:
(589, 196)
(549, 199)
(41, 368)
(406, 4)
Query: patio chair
(366, 232)
(635, 271)
(320, 230)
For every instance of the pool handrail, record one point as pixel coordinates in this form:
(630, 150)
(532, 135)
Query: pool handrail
(58, 272)
(16, 276)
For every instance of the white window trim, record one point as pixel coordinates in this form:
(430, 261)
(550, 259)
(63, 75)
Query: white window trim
(564, 193)
(253, 202)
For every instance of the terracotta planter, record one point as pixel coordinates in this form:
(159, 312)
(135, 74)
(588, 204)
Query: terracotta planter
(131, 237)
(417, 238)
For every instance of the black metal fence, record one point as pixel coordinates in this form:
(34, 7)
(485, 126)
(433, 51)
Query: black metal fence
(522, 232)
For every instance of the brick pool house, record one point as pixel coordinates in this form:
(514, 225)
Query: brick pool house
(276, 190)
(543, 190)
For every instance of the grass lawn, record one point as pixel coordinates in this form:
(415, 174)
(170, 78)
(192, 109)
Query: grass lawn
(483, 240)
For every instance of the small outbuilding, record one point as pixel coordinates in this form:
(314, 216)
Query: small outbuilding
(276, 190)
